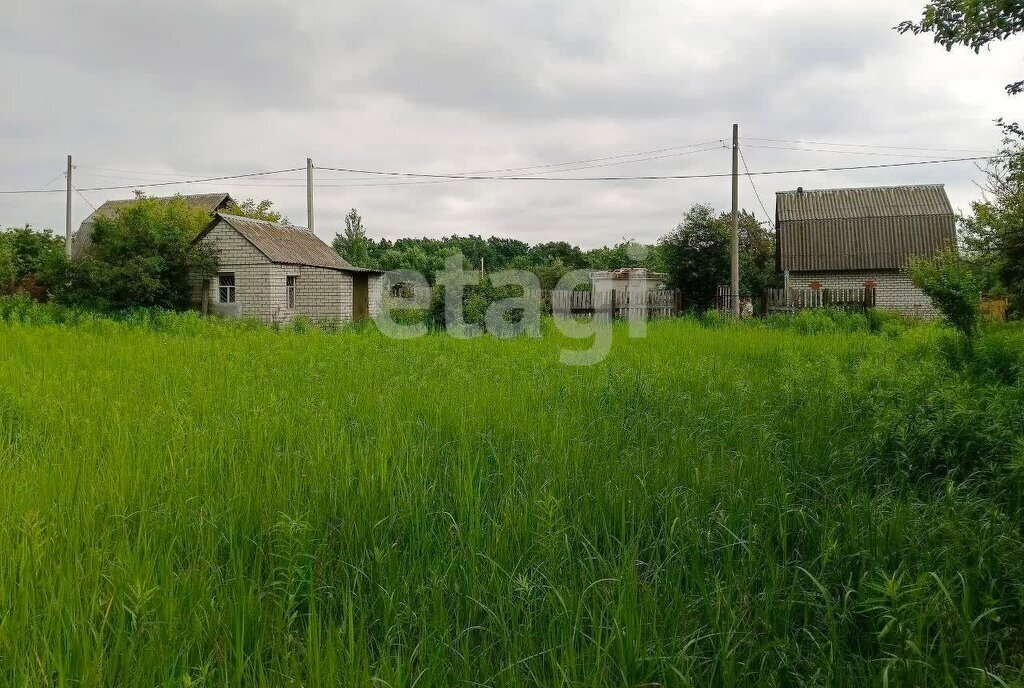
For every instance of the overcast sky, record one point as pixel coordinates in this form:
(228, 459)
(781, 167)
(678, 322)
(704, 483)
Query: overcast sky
(156, 91)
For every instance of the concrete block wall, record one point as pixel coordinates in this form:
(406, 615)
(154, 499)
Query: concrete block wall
(261, 292)
(259, 284)
(322, 294)
(893, 288)
(375, 284)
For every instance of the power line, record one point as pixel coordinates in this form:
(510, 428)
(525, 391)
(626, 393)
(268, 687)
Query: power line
(83, 197)
(674, 151)
(685, 149)
(754, 187)
(715, 175)
(866, 145)
(620, 160)
(155, 184)
(437, 178)
(840, 152)
(463, 177)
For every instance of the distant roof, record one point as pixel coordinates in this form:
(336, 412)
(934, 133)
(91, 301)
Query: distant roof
(862, 229)
(211, 203)
(286, 244)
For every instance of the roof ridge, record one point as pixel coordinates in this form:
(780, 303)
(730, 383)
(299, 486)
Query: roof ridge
(864, 188)
(280, 225)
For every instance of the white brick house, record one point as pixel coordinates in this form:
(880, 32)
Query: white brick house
(853, 238)
(277, 272)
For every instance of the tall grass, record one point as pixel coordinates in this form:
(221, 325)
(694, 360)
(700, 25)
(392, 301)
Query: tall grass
(188, 502)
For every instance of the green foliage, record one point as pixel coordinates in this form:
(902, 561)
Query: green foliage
(353, 245)
(707, 507)
(954, 288)
(970, 23)
(141, 257)
(549, 261)
(476, 299)
(821, 321)
(30, 261)
(994, 233)
(262, 210)
(696, 255)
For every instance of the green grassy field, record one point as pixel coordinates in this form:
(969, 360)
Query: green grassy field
(187, 503)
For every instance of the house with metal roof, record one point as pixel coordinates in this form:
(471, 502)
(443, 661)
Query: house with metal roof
(863, 237)
(277, 272)
(82, 239)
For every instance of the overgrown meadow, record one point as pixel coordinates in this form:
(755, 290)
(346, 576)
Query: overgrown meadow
(813, 501)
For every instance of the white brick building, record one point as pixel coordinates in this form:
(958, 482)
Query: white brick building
(853, 238)
(277, 272)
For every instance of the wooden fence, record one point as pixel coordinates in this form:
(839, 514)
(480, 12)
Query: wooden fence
(792, 300)
(659, 303)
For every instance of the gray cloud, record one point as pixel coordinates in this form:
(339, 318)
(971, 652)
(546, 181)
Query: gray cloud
(152, 90)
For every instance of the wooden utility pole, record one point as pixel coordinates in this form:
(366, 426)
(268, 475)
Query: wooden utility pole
(67, 218)
(309, 195)
(735, 283)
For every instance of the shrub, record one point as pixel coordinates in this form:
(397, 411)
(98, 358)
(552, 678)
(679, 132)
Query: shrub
(953, 287)
(476, 299)
(142, 257)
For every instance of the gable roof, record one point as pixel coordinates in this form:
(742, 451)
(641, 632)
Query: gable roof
(862, 229)
(82, 239)
(285, 244)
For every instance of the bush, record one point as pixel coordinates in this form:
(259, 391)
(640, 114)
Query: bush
(141, 258)
(476, 299)
(953, 287)
(29, 261)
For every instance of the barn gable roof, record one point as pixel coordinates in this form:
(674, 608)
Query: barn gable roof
(862, 229)
(286, 244)
(82, 239)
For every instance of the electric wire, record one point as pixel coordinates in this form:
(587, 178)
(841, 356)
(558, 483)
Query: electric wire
(753, 186)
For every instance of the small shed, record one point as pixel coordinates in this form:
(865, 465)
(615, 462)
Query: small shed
(277, 272)
(863, 237)
(627, 279)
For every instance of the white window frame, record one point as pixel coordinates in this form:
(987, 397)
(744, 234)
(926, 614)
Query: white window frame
(290, 283)
(226, 293)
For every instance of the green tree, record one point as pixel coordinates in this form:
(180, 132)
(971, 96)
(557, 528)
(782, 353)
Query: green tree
(262, 210)
(971, 23)
(141, 257)
(29, 261)
(696, 255)
(993, 235)
(954, 288)
(352, 244)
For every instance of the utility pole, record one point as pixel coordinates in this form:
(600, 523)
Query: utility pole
(735, 284)
(67, 218)
(309, 195)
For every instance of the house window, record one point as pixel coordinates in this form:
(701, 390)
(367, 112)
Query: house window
(289, 288)
(226, 288)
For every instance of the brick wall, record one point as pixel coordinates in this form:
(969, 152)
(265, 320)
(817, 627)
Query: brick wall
(323, 294)
(261, 286)
(893, 288)
(375, 284)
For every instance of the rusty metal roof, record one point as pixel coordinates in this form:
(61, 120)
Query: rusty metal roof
(82, 239)
(862, 229)
(287, 244)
